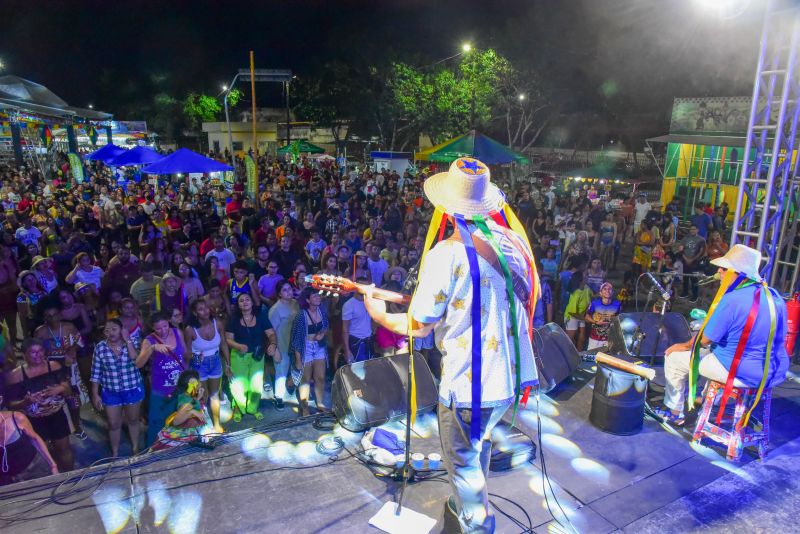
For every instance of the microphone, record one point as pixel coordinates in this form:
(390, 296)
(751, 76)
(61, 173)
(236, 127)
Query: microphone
(657, 285)
(705, 280)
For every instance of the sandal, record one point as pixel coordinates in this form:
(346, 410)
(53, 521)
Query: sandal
(667, 415)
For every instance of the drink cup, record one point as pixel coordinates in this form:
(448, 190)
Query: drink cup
(434, 460)
(418, 460)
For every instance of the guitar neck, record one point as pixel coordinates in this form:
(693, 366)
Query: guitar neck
(385, 294)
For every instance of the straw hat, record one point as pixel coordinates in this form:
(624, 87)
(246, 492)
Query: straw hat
(37, 260)
(466, 189)
(396, 269)
(742, 259)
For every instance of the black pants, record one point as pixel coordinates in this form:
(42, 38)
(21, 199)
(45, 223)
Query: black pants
(361, 348)
(691, 281)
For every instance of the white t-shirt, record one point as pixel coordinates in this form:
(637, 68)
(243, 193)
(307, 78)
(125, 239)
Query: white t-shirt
(95, 276)
(641, 211)
(225, 258)
(26, 236)
(445, 293)
(360, 322)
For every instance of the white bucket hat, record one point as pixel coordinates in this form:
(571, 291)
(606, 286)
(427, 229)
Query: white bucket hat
(465, 189)
(742, 259)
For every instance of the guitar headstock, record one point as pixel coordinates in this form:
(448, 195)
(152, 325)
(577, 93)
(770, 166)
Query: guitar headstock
(331, 285)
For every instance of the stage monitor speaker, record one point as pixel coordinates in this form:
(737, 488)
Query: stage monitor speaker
(624, 328)
(556, 356)
(373, 392)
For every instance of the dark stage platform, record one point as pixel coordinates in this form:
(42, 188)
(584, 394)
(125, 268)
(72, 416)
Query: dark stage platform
(275, 480)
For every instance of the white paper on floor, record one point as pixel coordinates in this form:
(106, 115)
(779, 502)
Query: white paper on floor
(408, 522)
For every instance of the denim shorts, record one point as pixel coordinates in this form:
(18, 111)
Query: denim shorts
(122, 398)
(314, 351)
(210, 367)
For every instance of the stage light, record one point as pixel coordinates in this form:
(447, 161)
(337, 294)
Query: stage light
(91, 106)
(466, 47)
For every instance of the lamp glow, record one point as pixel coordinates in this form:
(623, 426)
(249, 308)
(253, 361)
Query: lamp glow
(466, 47)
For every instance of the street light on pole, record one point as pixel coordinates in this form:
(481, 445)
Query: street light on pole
(227, 90)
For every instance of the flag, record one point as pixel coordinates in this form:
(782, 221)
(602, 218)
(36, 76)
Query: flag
(47, 136)
(92, 135)
(252, 182)
(76, 167)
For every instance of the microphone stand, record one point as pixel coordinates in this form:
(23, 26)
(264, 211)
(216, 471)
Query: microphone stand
(407, 463)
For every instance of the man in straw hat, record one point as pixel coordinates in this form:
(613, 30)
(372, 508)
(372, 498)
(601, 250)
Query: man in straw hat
(484, 338)
(763, 357)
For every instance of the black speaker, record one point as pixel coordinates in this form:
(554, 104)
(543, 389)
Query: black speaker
(627, 328)
(373, 392)
(556, 356)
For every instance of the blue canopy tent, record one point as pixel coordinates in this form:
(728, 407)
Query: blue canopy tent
(105, 153)
(139, 155)
(185, 161)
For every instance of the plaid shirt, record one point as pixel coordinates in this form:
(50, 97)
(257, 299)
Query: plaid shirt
(115, 373)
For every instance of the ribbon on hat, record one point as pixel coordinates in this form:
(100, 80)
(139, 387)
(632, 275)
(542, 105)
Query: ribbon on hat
(729, 281)
(438, 221)
(481, 224)
(475, 317)
(732, 281)
(773, 323)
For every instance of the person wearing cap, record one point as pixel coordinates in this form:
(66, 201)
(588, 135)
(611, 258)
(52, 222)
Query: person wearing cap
(444, 298)
(723, 330)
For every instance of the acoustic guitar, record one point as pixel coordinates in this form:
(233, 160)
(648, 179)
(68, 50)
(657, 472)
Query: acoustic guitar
(333, 286)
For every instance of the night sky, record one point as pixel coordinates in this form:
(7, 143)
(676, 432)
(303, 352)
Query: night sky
(635, 54)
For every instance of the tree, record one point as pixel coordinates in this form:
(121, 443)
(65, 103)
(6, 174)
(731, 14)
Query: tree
(524, 107)
(234, 97)
(199, 108)
(445, 101)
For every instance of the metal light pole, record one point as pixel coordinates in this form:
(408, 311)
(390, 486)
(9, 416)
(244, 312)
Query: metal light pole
(228, 122)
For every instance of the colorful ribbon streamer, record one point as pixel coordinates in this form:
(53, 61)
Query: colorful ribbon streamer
(475, 317)
(481, 224)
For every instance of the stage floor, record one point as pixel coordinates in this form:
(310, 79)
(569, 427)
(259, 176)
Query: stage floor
(276, 481)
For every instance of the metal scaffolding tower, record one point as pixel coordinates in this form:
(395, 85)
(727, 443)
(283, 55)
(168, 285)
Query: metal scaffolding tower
(769, 177)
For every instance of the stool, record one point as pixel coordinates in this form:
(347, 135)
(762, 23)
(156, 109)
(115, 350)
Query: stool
(736, 440)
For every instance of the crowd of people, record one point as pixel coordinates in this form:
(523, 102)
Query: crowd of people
(156, 302)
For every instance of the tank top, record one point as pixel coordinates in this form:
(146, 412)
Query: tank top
(203, 346)
(42, 404)
(17, 454)
(237, 290)
(312, 328)
(166, 367)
